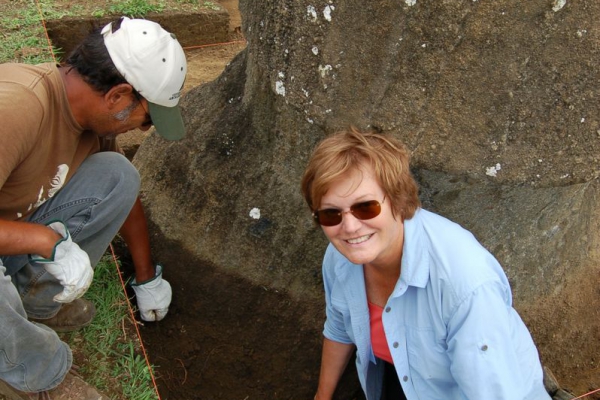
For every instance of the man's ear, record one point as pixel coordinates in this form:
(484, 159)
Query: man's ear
(117, 94)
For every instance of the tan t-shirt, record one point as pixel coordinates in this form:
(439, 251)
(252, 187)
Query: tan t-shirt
(41, 144)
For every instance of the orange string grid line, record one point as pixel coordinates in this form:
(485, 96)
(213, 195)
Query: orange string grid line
(213, 45)
(39, 7)
(132, 315)
(587, 394)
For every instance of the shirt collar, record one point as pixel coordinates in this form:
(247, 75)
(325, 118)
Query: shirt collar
(415, 262)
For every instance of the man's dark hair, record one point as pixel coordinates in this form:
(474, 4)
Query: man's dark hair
(91, 60)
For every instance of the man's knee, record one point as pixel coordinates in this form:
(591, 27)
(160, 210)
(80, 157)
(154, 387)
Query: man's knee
(118, 171)
(37, 372)
(120, 166)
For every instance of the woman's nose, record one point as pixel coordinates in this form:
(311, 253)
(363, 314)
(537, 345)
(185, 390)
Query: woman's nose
(349, 222)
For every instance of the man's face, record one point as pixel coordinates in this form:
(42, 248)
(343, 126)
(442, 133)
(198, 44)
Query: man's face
(127, 116)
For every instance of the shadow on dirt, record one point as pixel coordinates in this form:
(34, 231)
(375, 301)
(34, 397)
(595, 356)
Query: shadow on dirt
(226, 339)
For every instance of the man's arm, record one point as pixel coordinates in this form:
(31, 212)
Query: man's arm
(50, 245)
(152, 292)
(18, 237)
(135, 234)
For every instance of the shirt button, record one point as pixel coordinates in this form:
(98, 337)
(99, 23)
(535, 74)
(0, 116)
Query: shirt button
(395, 345)
(388, 309)
(405, 378)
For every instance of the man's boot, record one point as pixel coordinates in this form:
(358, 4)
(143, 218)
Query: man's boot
(71, 316)
(71, 388)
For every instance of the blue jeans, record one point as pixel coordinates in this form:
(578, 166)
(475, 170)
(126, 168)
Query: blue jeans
(93, 205)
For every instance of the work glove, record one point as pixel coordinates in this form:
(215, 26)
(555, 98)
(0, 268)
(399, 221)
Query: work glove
(69, 264)
(153, 296)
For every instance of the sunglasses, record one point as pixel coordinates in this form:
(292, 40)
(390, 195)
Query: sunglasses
(363, 211)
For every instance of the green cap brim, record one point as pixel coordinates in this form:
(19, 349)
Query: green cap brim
(167, 121)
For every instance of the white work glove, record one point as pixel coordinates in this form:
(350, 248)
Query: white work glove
(153, 296)
(69, 264)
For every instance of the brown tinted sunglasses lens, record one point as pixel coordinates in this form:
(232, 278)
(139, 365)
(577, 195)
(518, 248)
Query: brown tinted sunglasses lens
(362, 211)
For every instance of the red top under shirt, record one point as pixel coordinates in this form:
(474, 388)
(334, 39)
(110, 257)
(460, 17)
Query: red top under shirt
(378, 339)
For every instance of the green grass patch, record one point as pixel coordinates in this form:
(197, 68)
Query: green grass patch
(108, 350)
(131, 8)
(22, 31)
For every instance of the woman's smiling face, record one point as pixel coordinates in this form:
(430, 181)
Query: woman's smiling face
(377, 241)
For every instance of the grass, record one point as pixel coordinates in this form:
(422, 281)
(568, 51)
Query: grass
(108, 351)
(22, 35)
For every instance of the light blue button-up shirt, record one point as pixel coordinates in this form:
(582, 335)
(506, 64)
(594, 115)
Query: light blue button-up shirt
(449, 322)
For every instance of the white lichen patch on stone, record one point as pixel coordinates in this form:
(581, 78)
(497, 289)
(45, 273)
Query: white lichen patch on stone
(327, 12)
(493, 171)
(324, 70)
(558, 5)
(280, 88)
(279, 85)
(312, 13)
(255, 213)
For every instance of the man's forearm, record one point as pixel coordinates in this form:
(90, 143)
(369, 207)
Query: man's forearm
(135, 234)
(18, 237)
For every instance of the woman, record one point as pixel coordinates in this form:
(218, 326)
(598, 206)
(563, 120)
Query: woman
(427, 308)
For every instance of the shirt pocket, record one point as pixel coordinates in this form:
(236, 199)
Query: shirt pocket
(427, 358)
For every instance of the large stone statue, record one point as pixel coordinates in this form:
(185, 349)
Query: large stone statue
(498, 102)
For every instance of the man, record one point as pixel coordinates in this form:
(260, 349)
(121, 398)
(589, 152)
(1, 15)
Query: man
(65, 191)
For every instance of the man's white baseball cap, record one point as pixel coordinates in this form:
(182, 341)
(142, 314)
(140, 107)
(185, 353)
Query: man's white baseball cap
(153, 62)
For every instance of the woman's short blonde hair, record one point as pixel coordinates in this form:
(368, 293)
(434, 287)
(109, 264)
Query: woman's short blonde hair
(347, 150)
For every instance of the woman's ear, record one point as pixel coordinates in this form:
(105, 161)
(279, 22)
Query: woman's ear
(117, 94)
